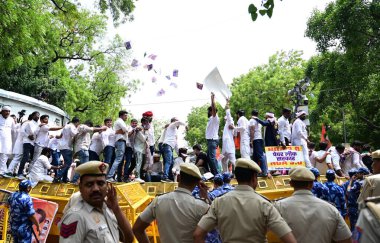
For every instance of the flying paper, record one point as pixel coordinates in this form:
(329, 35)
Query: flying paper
(128, 45)
(175, 73)
(152, 56)
(168, 77)
(150, 66)
(199, 86)
(135, 63)
(154, 79)
(161, 92)
(214, 83)
(174, 85)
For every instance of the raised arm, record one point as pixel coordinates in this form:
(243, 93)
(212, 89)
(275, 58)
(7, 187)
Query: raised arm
(213, 106)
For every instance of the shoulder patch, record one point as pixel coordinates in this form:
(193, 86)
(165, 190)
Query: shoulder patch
(68, 229)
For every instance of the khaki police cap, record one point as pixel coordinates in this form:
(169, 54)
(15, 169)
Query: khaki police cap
(190, 169)
(301, 174)
(376, 154)
(248, 164)
(92, 168)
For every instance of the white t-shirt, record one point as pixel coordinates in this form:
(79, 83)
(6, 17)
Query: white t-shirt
(313, 157)
(83, 138)
(284, 129)
(299, 132)
(171, 134)
(212, 127)
(30, 129)
(151, 141)
(54, 144)
(258, 128)
(68, 133)
(140, 141)
(96, 143)
(41, 166)
(322, 167)
(120, 124)
(42, 139)
(108, 137)
(243, 128)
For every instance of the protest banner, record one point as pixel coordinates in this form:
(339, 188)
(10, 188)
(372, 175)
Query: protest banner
(45, 213)
(279, 158)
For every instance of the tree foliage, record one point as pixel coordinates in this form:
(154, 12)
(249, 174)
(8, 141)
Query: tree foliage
(50, 50)
(347, 69)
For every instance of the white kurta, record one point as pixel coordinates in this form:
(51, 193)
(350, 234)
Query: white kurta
(299, 137)
(228, 135)
(243, 128)
(6, 126)
(18, 146)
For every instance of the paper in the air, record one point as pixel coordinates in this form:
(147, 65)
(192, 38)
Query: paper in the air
(214, 83)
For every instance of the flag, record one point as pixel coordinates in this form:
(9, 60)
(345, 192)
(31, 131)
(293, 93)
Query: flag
(152, 56)
(175, 73)
(323, 133)
(128, 45)
(134, 63)
(200, 86)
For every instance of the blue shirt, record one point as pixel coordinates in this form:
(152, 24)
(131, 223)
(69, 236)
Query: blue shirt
(353, 193)
(320, 191)
(216, 193)
(336, 196)
(21, 208)
(227, 187)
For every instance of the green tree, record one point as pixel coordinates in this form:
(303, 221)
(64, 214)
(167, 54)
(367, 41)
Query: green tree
(265, 87)
(49, 50)
(347, 69)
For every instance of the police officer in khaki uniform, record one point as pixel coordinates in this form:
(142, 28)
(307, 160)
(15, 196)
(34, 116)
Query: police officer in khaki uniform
(92, 218)
(368, 225)
(178, 212)
(371, 187)
(310, 218)
(242, 215)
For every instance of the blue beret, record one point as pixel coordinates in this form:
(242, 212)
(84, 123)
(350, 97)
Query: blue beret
(363, 170)
(24, 184)
(330, 174)
(218, 178)
(226, 177)
(352, 172)
(315, 171)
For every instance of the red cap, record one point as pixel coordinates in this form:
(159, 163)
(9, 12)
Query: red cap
(148, 114)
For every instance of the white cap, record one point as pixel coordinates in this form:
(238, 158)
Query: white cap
(300, 113)
(6, 108)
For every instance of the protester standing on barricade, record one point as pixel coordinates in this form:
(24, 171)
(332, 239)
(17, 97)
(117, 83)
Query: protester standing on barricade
(228, 149)
(300, 137)
(242, 127)
(212, 136)
(284, 127)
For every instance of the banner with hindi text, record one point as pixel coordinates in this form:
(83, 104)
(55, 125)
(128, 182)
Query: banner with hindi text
(279, 158)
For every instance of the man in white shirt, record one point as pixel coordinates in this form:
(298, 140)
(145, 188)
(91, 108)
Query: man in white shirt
(6, 126)
(66, 146)
(169, 143)
(140, 147)
(182, 155)
(212, 136)
(228, 149)
(151, 139)
(335, 157)
(39, 170)
(82, 143)
(42, 136)
(17, 149)
(55, 153)
(257, 142)
(299, 136)
(284, 128)
(243, 129)
(130, 158)
(29, 137)
(108, 138)
(96, 146)
(323, 164)
(121, 138)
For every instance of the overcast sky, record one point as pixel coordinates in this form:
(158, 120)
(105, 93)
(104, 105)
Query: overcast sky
(196, 36)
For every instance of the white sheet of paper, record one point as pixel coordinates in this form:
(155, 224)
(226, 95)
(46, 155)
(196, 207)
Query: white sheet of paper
(214, 83)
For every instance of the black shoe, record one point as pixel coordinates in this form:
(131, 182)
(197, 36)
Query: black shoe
(166, 180)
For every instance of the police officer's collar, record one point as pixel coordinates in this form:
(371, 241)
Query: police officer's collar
(243, 188)
(181, 189)
(303, 192)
